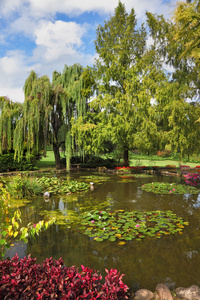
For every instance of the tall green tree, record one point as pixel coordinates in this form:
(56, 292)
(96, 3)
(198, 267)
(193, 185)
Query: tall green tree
(119, 45)
(177, 42)
(48, 109)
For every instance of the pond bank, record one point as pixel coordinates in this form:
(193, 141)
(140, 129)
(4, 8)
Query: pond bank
(162, 292)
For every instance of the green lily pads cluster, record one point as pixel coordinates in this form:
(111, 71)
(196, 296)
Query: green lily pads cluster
(168, 188)
(59, 186)
(95, 178)
(127, 176)
(125, 226)
(142, 175)
(65, 217)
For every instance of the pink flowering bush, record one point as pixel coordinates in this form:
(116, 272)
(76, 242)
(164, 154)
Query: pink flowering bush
(192, 179)
(25, 279)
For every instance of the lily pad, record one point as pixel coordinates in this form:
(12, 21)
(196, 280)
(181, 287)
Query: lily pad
(126, 226)
(169, 188)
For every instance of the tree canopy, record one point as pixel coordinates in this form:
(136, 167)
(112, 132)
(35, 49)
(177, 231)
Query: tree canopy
(120, 46)
(45, 116)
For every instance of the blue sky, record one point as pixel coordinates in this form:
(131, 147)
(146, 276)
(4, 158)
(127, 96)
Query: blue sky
(44, 35)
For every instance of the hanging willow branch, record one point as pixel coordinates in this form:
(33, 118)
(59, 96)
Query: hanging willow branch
(48, 110)
(10, 112)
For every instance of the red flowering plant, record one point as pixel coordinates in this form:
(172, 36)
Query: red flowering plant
(128, 171)
(192, 179)
(25, 279)
(197, 168)
(184, 167)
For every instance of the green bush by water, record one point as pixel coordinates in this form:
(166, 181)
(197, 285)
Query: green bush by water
(7, 163)
(21, 187)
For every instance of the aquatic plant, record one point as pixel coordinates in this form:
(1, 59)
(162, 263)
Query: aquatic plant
(128, 225)
(25, 279)
(126, 176)
(95, 178)
(21, 187)
(168, 188)
(142, 175)
(55, 185)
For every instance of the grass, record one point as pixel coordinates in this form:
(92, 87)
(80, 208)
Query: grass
(135, 160)
(47, 162)
(159, 163)
(155, 160)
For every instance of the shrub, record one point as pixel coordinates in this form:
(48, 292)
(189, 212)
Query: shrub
(21, 187)
(170, 166)
(7, 162)
(121, 170)
(164, 153)
(25, 279)
(10, 225)
(92, 161)
(192, 179)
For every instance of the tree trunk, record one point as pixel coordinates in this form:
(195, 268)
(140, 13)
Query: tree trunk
(57, 156)
(126, 162)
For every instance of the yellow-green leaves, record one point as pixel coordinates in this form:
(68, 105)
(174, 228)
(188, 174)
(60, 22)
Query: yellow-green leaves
(10, 229)
(187, 23)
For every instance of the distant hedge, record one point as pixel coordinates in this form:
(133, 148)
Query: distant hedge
(7, 163)
(93, 161)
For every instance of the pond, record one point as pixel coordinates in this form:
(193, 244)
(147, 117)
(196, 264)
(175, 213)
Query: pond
(173, 259)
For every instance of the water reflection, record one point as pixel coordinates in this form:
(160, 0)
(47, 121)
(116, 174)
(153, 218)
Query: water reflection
(174, 259)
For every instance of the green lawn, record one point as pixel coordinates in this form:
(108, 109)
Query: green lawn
(47, 162)
(159, 163)
(135, 160)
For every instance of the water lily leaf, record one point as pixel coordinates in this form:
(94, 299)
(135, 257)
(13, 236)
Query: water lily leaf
(129, 225)
(99, 239)
(112, 239)
(91, 235)
(128, 238)
(105, 237)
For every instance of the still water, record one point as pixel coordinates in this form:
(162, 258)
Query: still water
(173, 259)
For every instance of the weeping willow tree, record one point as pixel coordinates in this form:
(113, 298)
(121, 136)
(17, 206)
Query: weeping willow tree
(48, 110)
(10, 112)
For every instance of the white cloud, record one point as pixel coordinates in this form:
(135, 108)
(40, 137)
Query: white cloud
(14, 68)
(7, 7)
(47, 8)
(24, 24)
(77, 7)
(74, 8)
(59, 38)
(14, 94)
